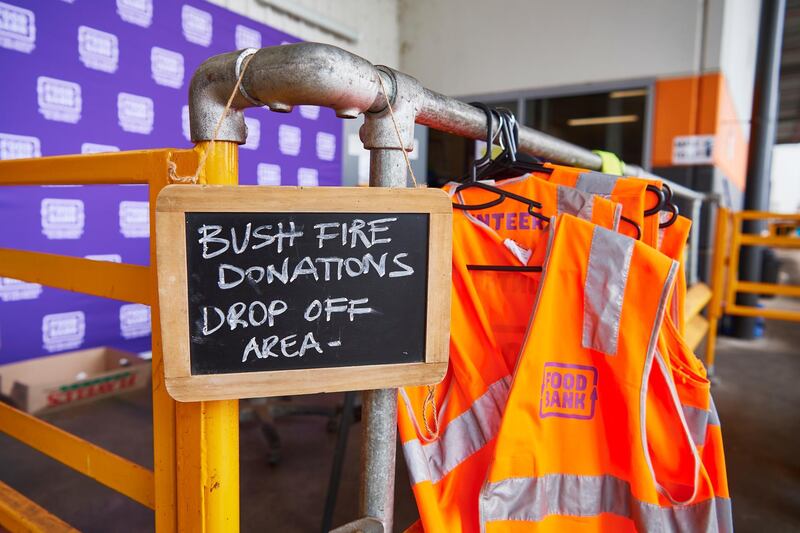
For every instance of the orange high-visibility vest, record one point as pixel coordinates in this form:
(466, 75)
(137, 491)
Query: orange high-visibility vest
(690, 377)
(448, 469)
(572, 452)
(629, 192)
(672, 242)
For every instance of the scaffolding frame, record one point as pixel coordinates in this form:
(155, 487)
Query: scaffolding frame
(195, 482)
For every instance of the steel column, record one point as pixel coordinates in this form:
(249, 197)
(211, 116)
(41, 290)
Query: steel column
(762, 139)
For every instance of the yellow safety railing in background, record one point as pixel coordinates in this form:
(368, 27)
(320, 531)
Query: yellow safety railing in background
(195, 445)
(728, 242)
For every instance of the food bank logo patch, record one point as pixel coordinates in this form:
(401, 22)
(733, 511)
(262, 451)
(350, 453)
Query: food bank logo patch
(568, 391)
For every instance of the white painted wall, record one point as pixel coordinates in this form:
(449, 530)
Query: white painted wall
(785, 179)
(375, 21)
(738, 53)
(459, 47)
(463, 47)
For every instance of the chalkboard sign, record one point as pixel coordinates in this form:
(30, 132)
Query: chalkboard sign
(276, 290)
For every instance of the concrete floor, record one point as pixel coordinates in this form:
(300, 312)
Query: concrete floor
(757, 393)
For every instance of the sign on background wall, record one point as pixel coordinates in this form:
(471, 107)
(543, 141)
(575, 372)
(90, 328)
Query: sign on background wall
(83, 76)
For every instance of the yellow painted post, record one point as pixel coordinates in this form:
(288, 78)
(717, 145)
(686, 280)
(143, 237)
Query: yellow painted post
(164, 459)
(732, 278)
(208, 432)
(718, 275)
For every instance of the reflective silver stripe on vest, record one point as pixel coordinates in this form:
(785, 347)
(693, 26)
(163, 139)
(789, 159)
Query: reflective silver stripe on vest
(463, 436)
(713, 416)
(724, 515)
(534, 499)
(574, 202)
(697, 420)
(596, 183)
(604, 290)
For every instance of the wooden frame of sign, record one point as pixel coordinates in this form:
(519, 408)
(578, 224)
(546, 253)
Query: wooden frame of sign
(192, 352)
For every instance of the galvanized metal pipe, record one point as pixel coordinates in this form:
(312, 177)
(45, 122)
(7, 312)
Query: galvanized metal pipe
(378, 448)
(282, 77)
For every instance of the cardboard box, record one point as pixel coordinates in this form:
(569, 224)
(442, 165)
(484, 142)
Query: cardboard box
(48, 383)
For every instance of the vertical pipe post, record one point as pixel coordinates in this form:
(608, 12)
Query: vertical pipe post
(762, 139)
(386, 136)
(208, 432)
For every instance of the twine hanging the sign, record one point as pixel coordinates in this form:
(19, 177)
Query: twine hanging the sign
(429, 403)
(397, 131)
(173, 168)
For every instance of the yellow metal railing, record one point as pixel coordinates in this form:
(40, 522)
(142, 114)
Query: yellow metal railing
(728, 242)
(205, 436)
(697, 326)
(18, 514)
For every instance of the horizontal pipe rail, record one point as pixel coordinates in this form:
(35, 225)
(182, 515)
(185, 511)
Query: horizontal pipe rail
(18, 514)
(281, 77)
(124, 476)
(121, 168)
(120, 281)
(775, 242)
(775, 314)
(753, 287)
(767, 215)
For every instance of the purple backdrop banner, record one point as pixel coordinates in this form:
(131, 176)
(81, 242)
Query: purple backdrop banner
(90, 76)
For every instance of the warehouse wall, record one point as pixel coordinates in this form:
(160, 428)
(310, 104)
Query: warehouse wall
(374, 22)
(467, 50)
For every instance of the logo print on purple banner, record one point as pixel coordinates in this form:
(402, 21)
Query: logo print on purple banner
(197, 25)
(139, 12)
(166, 67)
(59, 100)
(19, 146)
(97, 49)
(63, 331)
(17, 28)
(12, 290)
(247, 37)
(568, 391)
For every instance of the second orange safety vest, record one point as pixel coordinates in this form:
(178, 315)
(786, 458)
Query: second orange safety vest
(572, 452)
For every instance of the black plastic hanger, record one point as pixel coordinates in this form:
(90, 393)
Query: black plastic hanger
(511, 163)
(669, 206)
(502, 195)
